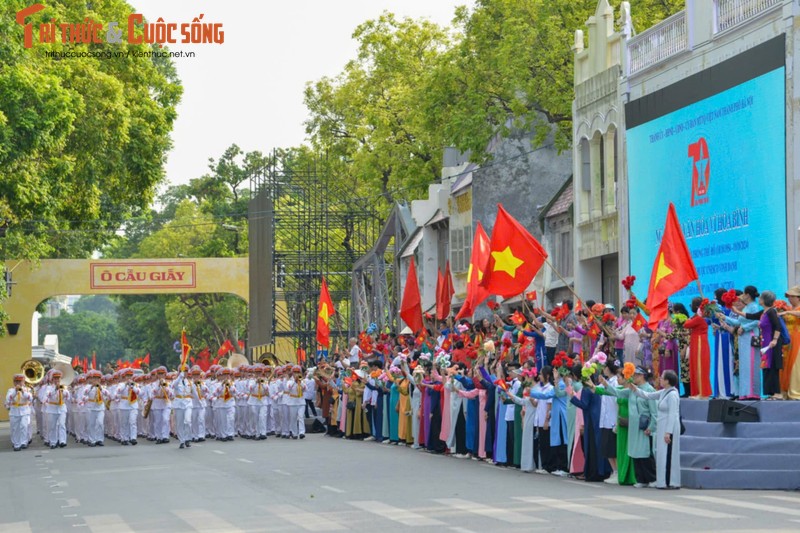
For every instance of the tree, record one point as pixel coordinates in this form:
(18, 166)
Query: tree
(369, 120)
(83, 332)
(82, 139)
(99, 303)
(512, 68)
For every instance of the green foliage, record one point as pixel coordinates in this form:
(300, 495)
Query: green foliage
(82, 332)
(99, 303)
(369, 119)
(82, 140)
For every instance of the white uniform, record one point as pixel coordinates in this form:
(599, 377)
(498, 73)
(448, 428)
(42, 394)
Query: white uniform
(275, 393)
(182, 408)
(94, 399)
(259, 402)
(295, 422)
(242, 388)
(55, 410)
(200, 394)
(127, 399)
(225, 408)
(211, 415)
(18, 403)
(160, 410)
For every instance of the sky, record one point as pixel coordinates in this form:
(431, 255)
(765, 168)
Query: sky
(249, 89)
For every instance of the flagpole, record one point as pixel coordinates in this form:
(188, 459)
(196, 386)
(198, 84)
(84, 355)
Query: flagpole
(699, 288)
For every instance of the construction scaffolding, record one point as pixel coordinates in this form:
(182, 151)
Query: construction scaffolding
(318, 229)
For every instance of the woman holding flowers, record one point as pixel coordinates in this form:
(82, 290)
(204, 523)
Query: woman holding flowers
(668, 430)
(528, 459)
(771, 345)
(596, 468)
(624, 464)
(749, 358)
(699, 351)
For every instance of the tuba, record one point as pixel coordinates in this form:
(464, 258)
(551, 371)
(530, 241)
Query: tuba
(236, 360)
(67, 373)
(33, 371)
(267, 358)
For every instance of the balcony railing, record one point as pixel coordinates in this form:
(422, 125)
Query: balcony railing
(658, 43)
(730, 13)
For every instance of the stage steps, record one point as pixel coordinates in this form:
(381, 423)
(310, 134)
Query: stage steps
(745, 455)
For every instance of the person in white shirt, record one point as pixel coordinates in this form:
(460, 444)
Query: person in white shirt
(161, 407)
(275, 423)
(200, 394)
(182, 407)
(56, 397)
(310, 393)
(258, 403)
(225, 406)
(18, 402)
(127, 399)
(94, 398)
(355, 352)
(293, 392)
(608, 419)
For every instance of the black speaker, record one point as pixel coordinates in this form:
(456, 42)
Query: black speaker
(730, 412)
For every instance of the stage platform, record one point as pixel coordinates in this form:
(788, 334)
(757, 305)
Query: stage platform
(741, 455)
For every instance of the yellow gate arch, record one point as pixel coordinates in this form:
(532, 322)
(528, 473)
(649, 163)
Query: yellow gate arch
(34, 283)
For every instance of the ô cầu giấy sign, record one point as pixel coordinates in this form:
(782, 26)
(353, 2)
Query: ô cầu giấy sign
(156, 275)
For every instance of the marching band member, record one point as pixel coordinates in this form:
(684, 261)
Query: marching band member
(275, 394)
(259, 404)
(241, 385)
(295, 424)
(18, 402)
(200, 394)
(113, 418)
(225, 405)
(161, 406)
(211, 384)
(79, 410)
(56, 397)
(127, 399)
(182, 408)
(94, 398)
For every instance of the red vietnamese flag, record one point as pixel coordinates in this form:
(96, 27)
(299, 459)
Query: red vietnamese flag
(515, 257)
(324, 312)
(75, 361)
(439, 295)
(185, 348)
(638, 322)
(449, 291)
(673, 268)
(476, 294)
(94, 360)
(226, 347)
(85, 364)
(146, 359)
(411, 307)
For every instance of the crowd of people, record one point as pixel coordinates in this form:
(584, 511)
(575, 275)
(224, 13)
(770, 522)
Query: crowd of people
(584, 392)
(587, 392)
(251, 402)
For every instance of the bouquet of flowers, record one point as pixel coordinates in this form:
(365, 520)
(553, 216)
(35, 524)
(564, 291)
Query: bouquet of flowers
(708, 308)
(628, 282)
(442, 360)
(729, 298)
(628, 369)
(563, 363)
(609, 319)
(529, 376)
(782, 305)
(494, 306)
(589, 369)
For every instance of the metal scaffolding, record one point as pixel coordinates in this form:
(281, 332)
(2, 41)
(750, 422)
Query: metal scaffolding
(319, 229)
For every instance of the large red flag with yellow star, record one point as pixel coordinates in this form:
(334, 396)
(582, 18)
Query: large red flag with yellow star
(673, 268)
(515, 257)
(324, 316)
(477, 264)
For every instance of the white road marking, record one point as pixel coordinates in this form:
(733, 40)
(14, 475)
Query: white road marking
(332, 489)
(282, 472)
(395, 514)
(669, 506)
(791, 499)
(461, 530)
(47, 477)
(16, 527)
(218, 452)
(581, 508)
(57, 492)
(71, 502)
(498, 513)
(745, 505)
(107, 523)
(248, 461)
(583, 483)
(55, 472)
(70, 515)
(205, 521)
(300, 518)
(122, 470)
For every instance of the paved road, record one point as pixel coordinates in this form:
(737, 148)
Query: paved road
(325, 484)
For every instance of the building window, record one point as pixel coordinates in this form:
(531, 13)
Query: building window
(460, 248)
(563, 253)
(586, 166)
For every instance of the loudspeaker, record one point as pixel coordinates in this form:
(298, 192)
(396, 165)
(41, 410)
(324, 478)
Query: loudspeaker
(730, 412)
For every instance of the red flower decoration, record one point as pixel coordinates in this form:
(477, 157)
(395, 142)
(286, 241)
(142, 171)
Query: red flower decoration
(729, 298)
(491, 304)
(628, 282)
(631, 303)
(781, 305)
(608, 318)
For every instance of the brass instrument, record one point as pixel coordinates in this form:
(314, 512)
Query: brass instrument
(148, 404)
(223, 362)
(67, 372)
(236, 360)
(33, 371)
(268, 358)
